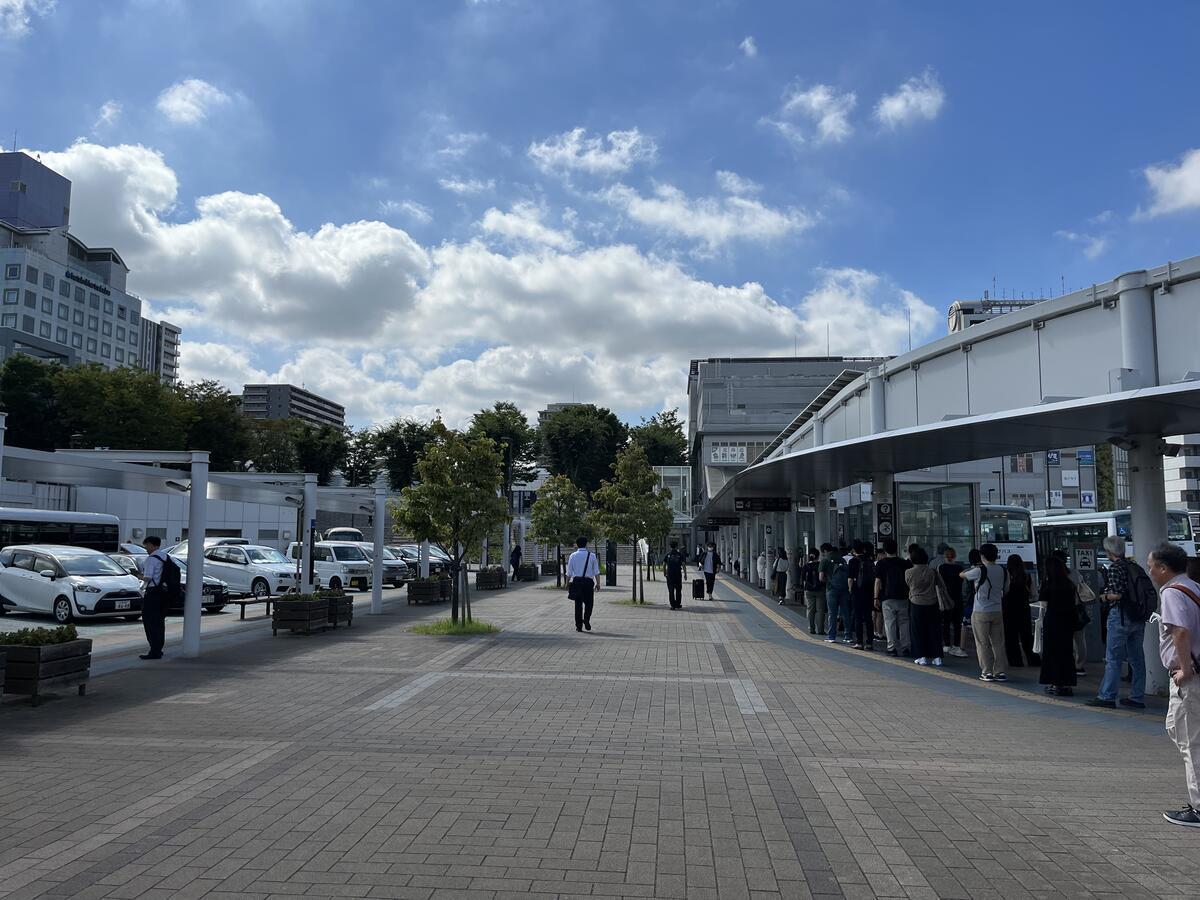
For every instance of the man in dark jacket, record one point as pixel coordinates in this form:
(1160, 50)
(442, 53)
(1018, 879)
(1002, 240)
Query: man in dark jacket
(675, 570)
(710, 564)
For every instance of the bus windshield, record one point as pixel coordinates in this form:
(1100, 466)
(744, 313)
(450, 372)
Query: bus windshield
(1004, 526)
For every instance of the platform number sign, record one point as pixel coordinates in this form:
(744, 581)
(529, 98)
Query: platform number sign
(884, 519)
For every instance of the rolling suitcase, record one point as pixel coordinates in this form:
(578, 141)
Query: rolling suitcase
(697, 588)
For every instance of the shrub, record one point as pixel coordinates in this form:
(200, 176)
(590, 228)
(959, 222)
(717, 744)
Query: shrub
(447, 627)
(40, 637)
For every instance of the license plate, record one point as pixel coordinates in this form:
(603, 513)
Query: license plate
(122, 604)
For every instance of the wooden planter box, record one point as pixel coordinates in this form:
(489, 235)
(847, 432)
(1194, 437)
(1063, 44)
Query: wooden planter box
(427, 591)
(489, 580)
(32, 671)
(300, 616)
(528, 573)
(3, 657)
(341, 611)
(549, 567)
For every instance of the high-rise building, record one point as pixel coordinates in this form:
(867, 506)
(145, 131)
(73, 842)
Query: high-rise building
(160, 349)
(60, 299)
(551, 409)
(286, 401)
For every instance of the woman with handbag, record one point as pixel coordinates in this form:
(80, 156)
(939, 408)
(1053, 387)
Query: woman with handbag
(1060, 623)
(927, 597)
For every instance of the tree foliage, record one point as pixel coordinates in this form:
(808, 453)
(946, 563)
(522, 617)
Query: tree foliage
(631, 506)
(507, 426)
(401, 444)
(30, 398)
(456, 501)
(662, 437)
(319, 448)
(214, 422)
(360, 463)
(582, 443)
(558, 516)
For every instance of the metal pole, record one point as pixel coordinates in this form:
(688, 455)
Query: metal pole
(306, 541)
(424, 559)
(381, 487)
(193, 598)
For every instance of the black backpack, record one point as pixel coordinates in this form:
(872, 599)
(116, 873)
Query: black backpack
(1141, 599)
(812, 578)
(171, 580)
(673, 562)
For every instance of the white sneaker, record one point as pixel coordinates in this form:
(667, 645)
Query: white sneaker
(923, 661)
(937, 662)
(945, 649)
(959, 652)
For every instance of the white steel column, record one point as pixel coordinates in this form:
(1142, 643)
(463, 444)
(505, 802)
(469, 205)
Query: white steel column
(381, 487)
(3, 419)
(1148, 522)
(1136, 306)
(878, 403)
(753, 549)
(306, 539)
(193, 598)
(821, 518)
(789, 544)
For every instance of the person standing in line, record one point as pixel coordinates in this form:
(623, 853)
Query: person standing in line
(987, 614)
(924, 587)
(1084, 596)
(514, 560)
(862, 598)
(952, 618)
(1126, 631)
(737, 568)
(837, 597)
(1058, 629)
(1018, 619)
(674, 571)
(814, 592)
(877, 555)
(761, 566)
(780, 575)
(583, 580)
(1179, 649)
(711, 565)
(154, 600)
(891, 596)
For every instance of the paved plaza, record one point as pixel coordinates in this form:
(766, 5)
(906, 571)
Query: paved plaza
(717, 751)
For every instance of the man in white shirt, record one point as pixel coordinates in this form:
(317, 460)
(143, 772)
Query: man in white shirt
(583, 578)
(154, 602)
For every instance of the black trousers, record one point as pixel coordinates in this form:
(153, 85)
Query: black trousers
(925, 626)
(154, 619)
(862, 605)
(675, 591)
(709, 579)
(584, 592)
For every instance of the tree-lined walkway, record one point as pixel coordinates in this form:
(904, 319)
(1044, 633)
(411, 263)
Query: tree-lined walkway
(691, 754)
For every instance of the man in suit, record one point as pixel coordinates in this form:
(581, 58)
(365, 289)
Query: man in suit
(583, 578)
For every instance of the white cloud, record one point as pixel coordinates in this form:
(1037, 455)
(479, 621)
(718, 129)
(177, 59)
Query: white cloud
(16, 16)
(732, 183)
(711, 221)
(190, 101)
(573, 151)
(1093, 245)
(822, 105)
(459, 144)
(231, 366)
(109, 115)
(464, 186)
(748, 47)
(410, 209)
(856, 295)
(1173, 188)
(919, 98)
(524, 223)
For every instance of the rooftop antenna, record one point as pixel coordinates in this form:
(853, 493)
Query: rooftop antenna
(827, 353)
(908, 321)
(14, 146)
(1063, 279)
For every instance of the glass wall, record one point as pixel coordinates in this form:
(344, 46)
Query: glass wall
(935, 514)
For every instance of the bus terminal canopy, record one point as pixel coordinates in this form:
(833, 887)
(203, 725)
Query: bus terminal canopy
(1170, 409)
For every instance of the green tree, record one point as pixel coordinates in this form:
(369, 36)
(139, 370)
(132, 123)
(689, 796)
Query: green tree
(631, 506)
(360, 464)
(319, 448)
(271, 446)
(30, 397)
(214, 422)
(122, 407)
(401, 444)
(507, 426)
(1106, 487)
(456, 501)
(582, 443)
(558, 516)
(662, 437)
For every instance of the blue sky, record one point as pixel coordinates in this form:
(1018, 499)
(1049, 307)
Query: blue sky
(420, 206)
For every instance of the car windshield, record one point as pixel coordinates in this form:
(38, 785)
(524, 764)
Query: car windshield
(265, 555)
(89, 564)
(348, 554)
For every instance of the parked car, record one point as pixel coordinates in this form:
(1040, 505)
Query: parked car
(181, 548)
(337, 564)
(216, 592)
(67, 582)
(411, 554)
(250, 569)
(395, 569)
(343, 533)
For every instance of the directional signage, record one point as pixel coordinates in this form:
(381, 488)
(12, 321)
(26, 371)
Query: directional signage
(719, 521)
(762, 504)
(1087, 499)
(1053, 457)
(1085, 559)
(1085, 457)
(883, 519)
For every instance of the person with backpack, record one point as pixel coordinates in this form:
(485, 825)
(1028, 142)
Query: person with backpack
(674, 571)
(162, 579)
(862, 597)
(1179, 649)
(1130, 597)
(891, 596)
(837, 603)
(989, 580)
(814, 593)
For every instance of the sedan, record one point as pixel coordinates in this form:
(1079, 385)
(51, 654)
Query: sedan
(68, 583)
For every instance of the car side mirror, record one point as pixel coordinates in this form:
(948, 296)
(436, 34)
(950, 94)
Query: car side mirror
(47, 573)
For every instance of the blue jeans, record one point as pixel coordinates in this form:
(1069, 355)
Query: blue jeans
(1124, 644)
(837, 603)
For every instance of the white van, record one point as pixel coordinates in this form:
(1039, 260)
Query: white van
(343, 533)
(338, 564)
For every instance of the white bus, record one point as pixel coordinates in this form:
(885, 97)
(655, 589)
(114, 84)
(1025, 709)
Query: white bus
(97, 531)
(1070, 530)
(1010, 528)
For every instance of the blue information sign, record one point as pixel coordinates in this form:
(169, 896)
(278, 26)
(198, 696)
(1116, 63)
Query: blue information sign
(1053, 457)
(1086, 457)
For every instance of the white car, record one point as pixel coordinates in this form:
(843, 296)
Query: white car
(67, 582)
(337, 564)
(250, 569)
(395, 569)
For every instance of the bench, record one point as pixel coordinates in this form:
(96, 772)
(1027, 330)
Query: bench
(243, 602)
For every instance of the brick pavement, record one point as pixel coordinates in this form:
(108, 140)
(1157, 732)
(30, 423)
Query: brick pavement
(711, 752)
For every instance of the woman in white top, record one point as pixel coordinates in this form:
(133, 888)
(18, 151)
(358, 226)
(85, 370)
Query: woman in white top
(762, 569)
(781, 573)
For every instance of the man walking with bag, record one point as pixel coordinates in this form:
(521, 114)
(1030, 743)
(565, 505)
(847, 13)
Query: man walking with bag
(1179, 647)
(583, 577)
(674, 571)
